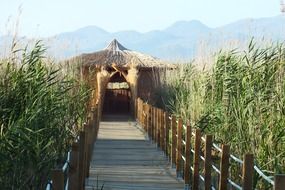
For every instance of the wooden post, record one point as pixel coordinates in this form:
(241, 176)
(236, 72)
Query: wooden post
(187, 170)
(179, 147)
(208, 161)
(149, 122)
(89, 147)
(143, 116)
(196, 159)
(81, 166)
(158, 128)
(224, 167)
(153, 124)
(174, 140)
(146, 118)
(137, 108)
(73, 171)
(96, 124)
(139, 111)
(248, 172)
(279, 182)
(162, 132)
(166, 124)
(57, 178)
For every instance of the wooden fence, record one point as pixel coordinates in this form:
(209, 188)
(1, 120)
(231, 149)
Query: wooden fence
(71, 176)
(195, 163)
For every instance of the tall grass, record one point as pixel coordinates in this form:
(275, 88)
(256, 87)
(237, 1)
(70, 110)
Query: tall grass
(241, 100)
(40, 107)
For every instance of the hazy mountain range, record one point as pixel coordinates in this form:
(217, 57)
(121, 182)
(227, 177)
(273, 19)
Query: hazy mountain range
(182, 40)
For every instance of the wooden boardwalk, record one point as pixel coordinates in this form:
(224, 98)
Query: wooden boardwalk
(123, 159)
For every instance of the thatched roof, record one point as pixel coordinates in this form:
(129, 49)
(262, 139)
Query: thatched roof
(116, 53)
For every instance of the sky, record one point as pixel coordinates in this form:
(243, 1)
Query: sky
(42, 18)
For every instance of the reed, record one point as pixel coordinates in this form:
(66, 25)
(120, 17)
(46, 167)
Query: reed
(240, 100)
(41, 108)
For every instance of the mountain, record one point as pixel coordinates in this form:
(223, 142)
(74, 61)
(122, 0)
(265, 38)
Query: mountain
(188, 29)
(182, 40)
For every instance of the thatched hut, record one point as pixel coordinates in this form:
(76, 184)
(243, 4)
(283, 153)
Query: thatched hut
(119, 76)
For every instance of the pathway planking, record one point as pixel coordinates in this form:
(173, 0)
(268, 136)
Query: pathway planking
(123, 159)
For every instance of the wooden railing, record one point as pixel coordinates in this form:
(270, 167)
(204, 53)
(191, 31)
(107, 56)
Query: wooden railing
(72, 175)
(183, 146)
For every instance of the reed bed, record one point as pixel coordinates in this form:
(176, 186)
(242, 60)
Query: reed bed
(240, 100)
(41, 107)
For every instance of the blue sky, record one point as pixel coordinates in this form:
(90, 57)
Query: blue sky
(39, 18)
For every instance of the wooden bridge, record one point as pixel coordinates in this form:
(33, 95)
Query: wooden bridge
(125, 159)
(154, 152)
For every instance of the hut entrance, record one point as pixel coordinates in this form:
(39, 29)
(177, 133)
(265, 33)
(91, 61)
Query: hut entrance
(117, 98)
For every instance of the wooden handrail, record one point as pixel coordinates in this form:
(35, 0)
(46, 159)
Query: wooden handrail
(80, 158)
(167, 132)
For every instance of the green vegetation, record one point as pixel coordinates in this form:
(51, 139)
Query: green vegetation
(41, 107)
(241, 100)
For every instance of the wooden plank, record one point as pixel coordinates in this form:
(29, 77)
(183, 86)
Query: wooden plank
(124, 159)
(179, 148)
(187, 170)
(208, 162)
(174, 139)
(279, 182)
(196, 159)
(224, 167)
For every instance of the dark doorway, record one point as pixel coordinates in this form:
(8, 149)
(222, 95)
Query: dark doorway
(117, 97)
